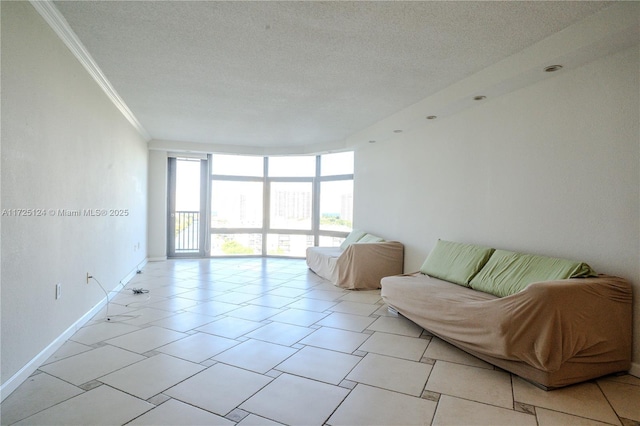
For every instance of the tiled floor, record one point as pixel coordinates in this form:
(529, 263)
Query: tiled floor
(266, 342)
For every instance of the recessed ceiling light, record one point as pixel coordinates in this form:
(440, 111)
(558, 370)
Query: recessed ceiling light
(552, 68)
(397, 131)
(431, 117)
(479, 98)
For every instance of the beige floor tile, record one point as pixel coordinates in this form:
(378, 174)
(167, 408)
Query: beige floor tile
(355, 308)
(184, 321)
(301, 284)
(130, 300)
(625, 378)
(224, 285)
(280, 333)
(310, 304)
(173, 304)
(253, 420)
(254, 289)
(114, 315)
(554, 418)
(411, 348)
(176, 413)
(439, 349)
(35, 394)
(145, 316)
(235, 386)
(198, 347)
(396, 325)
(103, 330)
(456, 411)
(142, 379)
(213, 308)
(325, 285)
(144, 340)
(254, 312)
(69, 348)
(90, 365)
(235, 297)
(319, 364)
(255, 355)
(164, 291)
(328, 295)
(230, 327)
(391, 373)
(473, 383)
(346, 321)
(369, 406)
(335, 339)
(296, 401)
(103, 405)
(201, 294)
(298, 317)
(272, 301)
(287, 292)
(624, 398)
(584, 400)
(362, 296)
(384, 312)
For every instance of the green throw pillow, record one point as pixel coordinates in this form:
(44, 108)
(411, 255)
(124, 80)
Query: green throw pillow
(369, 238)
(455, 262)
(508, 273)
(353, 237)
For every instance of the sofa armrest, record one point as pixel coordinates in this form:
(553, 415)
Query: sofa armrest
(363, 265)
(553, 321)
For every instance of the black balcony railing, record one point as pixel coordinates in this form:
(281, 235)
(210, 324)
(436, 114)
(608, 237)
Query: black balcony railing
(187, 231)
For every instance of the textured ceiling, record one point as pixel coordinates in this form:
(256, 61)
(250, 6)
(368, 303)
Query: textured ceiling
(292, 74)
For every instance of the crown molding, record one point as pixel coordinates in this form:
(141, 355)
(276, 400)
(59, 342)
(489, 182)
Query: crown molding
(61, 27)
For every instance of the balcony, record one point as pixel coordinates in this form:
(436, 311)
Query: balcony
(187, 232)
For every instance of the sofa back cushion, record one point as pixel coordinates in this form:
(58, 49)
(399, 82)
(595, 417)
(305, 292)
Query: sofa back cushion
(508, 273)
(353, 237)
(455, 262)
(370, 238)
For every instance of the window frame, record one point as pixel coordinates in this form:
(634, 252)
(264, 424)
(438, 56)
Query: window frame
(266, 229)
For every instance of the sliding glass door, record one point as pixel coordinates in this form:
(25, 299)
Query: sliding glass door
(187, 200)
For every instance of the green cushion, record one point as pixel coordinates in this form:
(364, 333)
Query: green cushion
(370, 238)
(455, 262)
(508, 273)
(354, 236)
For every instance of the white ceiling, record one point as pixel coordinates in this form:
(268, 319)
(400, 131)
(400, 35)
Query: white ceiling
(287, 75)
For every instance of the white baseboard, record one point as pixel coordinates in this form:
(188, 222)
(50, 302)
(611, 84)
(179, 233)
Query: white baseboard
(23, 374)
(158, 259)
(635, 369)
(133, 272)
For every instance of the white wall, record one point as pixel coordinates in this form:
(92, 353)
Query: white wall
(157, 243)
(64, 146)
(553, 168)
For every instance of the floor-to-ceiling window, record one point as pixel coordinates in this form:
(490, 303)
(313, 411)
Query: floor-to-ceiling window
(237, 205)
(279, 206)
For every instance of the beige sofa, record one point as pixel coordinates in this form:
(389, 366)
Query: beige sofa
(552, 332)
(359, 263)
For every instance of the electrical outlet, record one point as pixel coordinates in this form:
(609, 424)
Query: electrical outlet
(58, 290)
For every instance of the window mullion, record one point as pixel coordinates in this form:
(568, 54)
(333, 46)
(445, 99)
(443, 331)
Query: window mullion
(266, 203)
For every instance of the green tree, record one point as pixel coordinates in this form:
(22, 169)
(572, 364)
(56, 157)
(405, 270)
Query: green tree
(234, 247)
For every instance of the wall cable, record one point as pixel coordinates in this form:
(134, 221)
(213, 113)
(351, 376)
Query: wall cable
(124, 316)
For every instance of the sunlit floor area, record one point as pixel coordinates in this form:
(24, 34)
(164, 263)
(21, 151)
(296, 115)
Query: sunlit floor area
(265, 342)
